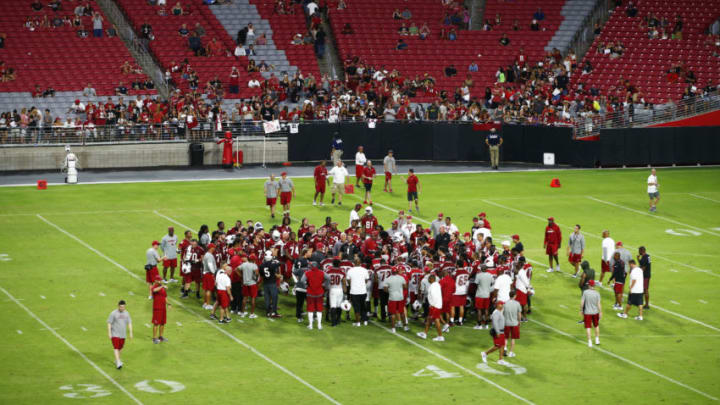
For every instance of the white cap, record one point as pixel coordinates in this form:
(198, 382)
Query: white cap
(258, 225)
(506, 243)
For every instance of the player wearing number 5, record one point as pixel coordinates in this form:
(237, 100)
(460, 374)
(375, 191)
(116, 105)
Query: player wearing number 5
(119, 323)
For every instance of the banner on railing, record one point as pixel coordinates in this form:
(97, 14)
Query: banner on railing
(271, 126)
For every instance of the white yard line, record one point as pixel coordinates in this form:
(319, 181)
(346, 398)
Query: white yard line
(465, 369)
(19, 332)
(658, 217)
(84, 329)
(73, 348)
(178, 303)
(628, 361)
(704, 198)
(171, 220)
(703, 301)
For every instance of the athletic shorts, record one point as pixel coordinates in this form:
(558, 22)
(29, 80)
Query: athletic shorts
(591, 320)
(646, 284)
(196, 275)
(285, 197)
(208, 282)
(512, 332)
(223, 298)
(159, 316)
(320, 187)
(575, 258)
(654, 195)
(151, 274)
(434, 313)
(368, 186)
(187, 278)
(412, 195)
(118, 343)
(271, 201)
(482, 303)
(250, 291)
(499, 340)
(619, 287)
(635, 299)
(314, 304)
(604, 266)
(396, 307)
(358, 302)
(521, 297)
(359, 170)
(388, 176)
(551, 250)
(458, 300)
(338, 188)
(170, 263)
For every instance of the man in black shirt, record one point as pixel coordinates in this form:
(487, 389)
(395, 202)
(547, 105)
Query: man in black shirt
(442, 240)
(618, 275)
(270, 273)
(267, 111)
(494, 141)
(645, 265)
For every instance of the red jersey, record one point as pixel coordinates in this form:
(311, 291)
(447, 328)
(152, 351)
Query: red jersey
(368, 222)
(159, 297)
(368, 174)
(447, 286)
(369, 247)
(553, 235)
(320, 174)
(412, 182)
(315, 279)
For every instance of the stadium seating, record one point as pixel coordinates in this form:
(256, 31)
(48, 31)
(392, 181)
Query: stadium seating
(645, 61)
(168, 46)
(58, 57)
(376, 34)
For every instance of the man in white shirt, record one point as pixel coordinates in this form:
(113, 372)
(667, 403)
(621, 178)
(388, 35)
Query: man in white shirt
(434, 298)
(253, 83)
(354, 215)
(450, 227)
(360, 161)
(358, 276)
(224, 293)
(652, 189)
(502, 285)
(635, 297)
(608, 248)
(339, 174)
(522, 286)
(312, 7)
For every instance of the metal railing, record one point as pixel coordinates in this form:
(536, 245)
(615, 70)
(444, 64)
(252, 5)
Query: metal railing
(590, 124)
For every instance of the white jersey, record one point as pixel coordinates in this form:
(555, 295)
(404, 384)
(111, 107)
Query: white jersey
(360, 159)
(652, 184)
(502, 284)
(461, 283)
(70, 161)
(522, 282)
(608, 248)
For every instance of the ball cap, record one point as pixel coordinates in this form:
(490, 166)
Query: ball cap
(482, 214)
(440, 214)
(253, 256)
(618, 243)
(501, 303)
(516, 237)
(409, 217)
(467, 234)
(551, 218)
(283, 174)
(155, 243)
(591, 283)
(211, 245)
(158, 278)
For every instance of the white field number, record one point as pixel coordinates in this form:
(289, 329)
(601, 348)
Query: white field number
(84, 391)
(484, 367)
(683, 232)
(436, 373)
(4, 257)
(170, 387)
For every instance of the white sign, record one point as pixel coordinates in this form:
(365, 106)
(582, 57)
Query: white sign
(549, 159)
(436, 373)
(271, 126)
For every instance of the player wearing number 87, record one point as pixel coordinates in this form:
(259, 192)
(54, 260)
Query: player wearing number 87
(119, 323)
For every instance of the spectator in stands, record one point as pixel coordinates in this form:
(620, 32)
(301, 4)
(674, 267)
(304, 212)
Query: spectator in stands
(406, 14)
(487, 26)
(424, 31)
(539, 14)
(587, 68)
(690, 77)
(112, 31)
(631, 10)
(450, 71)
(308, 38)
(413, 30)
(320, 43)
(261, 40)
(89, 91)
(242, 36)
(234, 87)
(213, 48)
(79, 10)
(341, 5)
(452, 35)
(516, 25)
(396, 15)
(195, 45)
(311, 8)
(597, 29)
(678, 28)
(251, 50)
(82, 32)
(403, 30)
(534, 25)
(298, 39)
(177, 9)
(473, 67)
(346, 30)
(199, 30)
(183, 31)
(504, 40)
(3, 37)
(250, 34)
(97, 21)
(252, 67)
(121, 90)
(401, 45)
(146, 31)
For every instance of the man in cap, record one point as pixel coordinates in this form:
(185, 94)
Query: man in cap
(389, 168)
(270, 273)
(368, 176)
(591, 311)
(494, 141)
(483, 220)
(551, 243)
(436, 224)
(208, 275)
(250, 277)
(339, 174)
(576, 248)
(287, 192)
(498, 334)
(413, 188)
(159, 316)
(360, 160)
(518, 245)
(271, 192)
(151, 270)
(169, 246)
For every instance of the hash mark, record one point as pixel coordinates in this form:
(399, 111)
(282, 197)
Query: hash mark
(703, 301)
(72, 295)
(674, 302)
(84, 329)
(19, 332)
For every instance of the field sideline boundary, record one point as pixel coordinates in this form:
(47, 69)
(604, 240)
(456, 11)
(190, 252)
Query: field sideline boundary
(178, 303)
(72, 347)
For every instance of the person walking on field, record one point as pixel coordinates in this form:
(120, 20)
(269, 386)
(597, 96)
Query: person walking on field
(413, 188)
(591, 311)
(360, 160)
(498, 333)
(652, 189)
(119, 324)
(494, 141)
(390, 168)
(618, 277)
(271, 192)
(608, 249)
(644, 262)
(635, 297)
(287, 192)
(368, 176)
(151, 270)
(339, 174)
(576, 248)
(159, 316)
(551, 243)
(512, 311)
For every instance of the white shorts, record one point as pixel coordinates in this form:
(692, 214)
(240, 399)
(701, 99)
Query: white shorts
(336, 297)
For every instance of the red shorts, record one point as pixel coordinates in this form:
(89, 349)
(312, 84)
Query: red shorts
(482, 303)
(159, 316)
(499, 340)
(170, 263)
(208, 282)
(320, 187)
(575, 258)
(151, 274)
(512, 332)
(196, 275)
(285, 197)
(249, 291)
(271, 201)
(521, 297)
(396, 307)
(458, 300)
(223, 298)
(591, 320)
(447, 305)
(359, 170)
(314, 304)
(388, 176)
(604, 266)
(551, 250)
(187, 278)
(618, 287)
(646, 284)
(434, 313)
(118, 343)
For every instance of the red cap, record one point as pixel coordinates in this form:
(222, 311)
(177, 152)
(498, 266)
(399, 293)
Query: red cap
(252, 256)
(77, 101)
(440, 214)
(283, 174)
(500, 303)
(467, 234)
(375, 233)
(591, 283)
(170, 228)
(618, 243)
(516, 236)
(155, 243)
(158, 278)
(409, 217)
(551, 218)
(401, 212)
(475, 220)
(482, 214)
(319, 246)
(211, 245)
(395, 222)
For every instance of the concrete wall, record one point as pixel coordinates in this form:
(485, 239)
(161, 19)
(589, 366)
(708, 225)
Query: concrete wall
(133, 155)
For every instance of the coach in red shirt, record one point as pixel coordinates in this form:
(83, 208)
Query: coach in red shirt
(447, 285)
(412, 191)
(367, 177)
(159, 317)
(320, 174)
(315, 278)
(553, 239)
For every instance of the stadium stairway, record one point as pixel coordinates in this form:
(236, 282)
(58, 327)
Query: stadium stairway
(574, 12)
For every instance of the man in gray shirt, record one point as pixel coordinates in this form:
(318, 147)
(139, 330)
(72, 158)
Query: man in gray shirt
(498, 334)
(576, 248)
(394, 286)
(287, 192)
(151, 262)
(119, 323)
(591, 311)
(208, 277)
(250, 276)
(484, 281)
(390, 169)
(271, 192)
(512, 311)
(625, 256)
(168, 244)
(436, 224)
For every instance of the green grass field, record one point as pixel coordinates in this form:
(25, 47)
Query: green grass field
(68, 254)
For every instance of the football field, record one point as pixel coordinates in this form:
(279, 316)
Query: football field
(69, 253)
